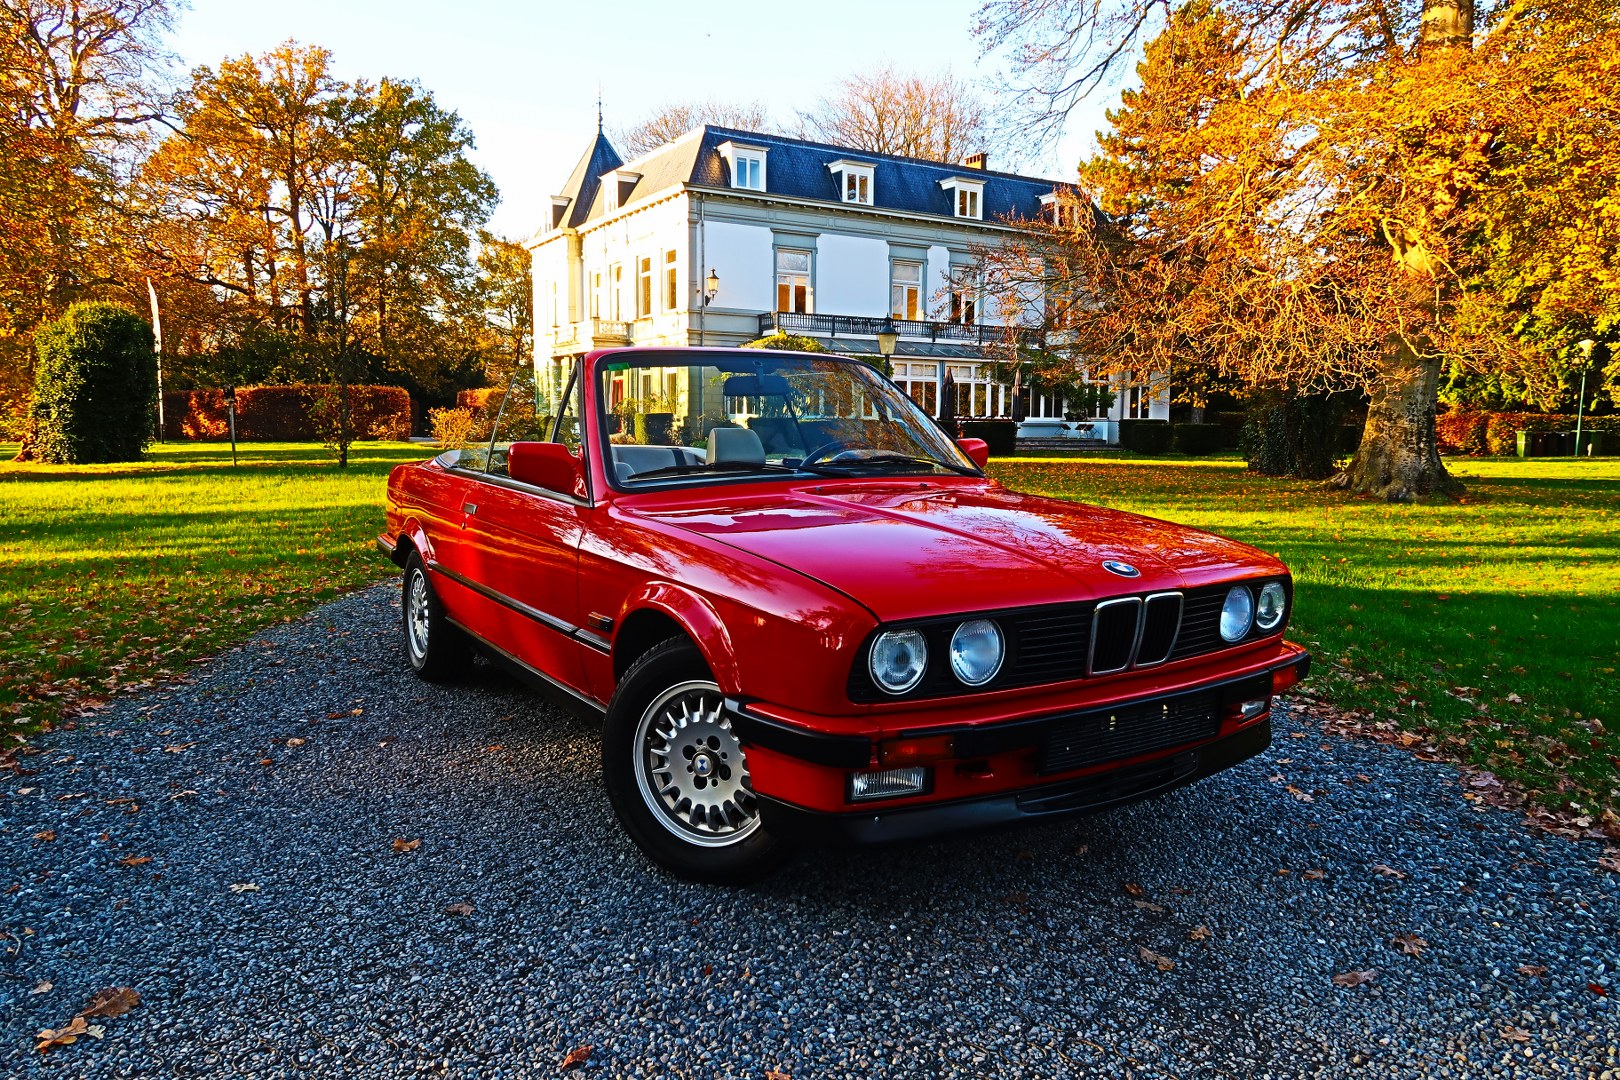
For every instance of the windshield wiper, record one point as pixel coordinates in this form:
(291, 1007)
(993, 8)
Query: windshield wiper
(720, 466)
(887, 457)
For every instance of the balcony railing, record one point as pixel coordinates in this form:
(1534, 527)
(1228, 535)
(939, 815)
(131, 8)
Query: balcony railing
(597, 332)
(794, 322)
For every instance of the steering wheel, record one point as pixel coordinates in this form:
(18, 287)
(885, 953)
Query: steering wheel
(828, 448)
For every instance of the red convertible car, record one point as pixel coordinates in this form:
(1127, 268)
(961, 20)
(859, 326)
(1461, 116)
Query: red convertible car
(804, 613)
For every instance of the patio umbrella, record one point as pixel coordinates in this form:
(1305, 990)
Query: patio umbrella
(947, 405)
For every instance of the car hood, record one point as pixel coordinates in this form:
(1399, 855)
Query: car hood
(910, 551)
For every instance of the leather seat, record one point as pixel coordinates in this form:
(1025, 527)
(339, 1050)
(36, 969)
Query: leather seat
(735, 444)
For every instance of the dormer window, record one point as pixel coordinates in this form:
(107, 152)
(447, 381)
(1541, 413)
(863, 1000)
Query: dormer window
(854, 181)
(559, 209)
(747, 165)
(967, 196)
(1060, 207)
(620, 184)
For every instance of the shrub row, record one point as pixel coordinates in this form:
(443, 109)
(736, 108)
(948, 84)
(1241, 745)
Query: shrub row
(1470, 431)
(283, 413)
(1001, 436)
(1146, 436)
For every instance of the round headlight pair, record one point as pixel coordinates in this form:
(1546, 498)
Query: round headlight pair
(899, 657)
(1241, 610)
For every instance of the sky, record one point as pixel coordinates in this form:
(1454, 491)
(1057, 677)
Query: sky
(525, 76)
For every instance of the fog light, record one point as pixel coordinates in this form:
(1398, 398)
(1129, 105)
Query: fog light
(887, 783)
(1251, 709)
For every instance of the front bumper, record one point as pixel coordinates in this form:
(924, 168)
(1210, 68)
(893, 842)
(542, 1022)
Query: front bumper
(982, 775)
(1086, 795)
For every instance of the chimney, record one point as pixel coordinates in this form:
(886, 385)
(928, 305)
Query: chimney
(977, 161)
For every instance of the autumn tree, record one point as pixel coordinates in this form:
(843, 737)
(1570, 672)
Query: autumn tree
(1320, 175)
(505, 291)
(935, 117)
(670, 121)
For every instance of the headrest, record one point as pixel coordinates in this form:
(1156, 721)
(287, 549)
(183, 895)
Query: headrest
(735, 444)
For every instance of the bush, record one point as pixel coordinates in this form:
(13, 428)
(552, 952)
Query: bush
(1287, 435)
(1001, 436)
(452, 428)
(283, 413)
(1198, 438)
(1231, 425)
(1472, 431)
(95, 386)
(1146, 436)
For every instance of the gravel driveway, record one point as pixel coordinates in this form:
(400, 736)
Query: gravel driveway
(1195, 935)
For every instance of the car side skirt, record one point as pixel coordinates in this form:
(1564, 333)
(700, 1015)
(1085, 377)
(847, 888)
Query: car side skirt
(1086, 795)
(559, 693)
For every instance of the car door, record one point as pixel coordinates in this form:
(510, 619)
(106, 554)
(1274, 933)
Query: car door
(521, 542)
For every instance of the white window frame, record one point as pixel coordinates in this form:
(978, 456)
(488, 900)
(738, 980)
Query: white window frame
(644, 286)
(898, 303)
(672, 281)
(745, 162)
(967, 197)
(808, 274)
(856, 183)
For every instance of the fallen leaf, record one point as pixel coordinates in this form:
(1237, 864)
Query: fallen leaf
(1355, 978)
(402, 844)
(1514, 1034)
(1388, 871)
(494, 748)
(576, 1056)
(1314, 875)
(294, 742)
(1133, 889)
(1410, 944)
(48, 834)
(1302, 796)
(1148, 905)
(178, 748)
(135, 860)
(44, 986)
(114, 1001)
(1534, 971)
(463, 909)
(1163, 963)
(1611, 863)
(267, 761)
(244, 886)
(1599, 989)
(62, 1036)
(776, 1074)
(1198, 933)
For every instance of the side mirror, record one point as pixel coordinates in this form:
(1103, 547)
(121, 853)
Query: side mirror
(549, 465)
(977, 449)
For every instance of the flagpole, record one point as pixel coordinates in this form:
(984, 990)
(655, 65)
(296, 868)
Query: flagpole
(157, 337)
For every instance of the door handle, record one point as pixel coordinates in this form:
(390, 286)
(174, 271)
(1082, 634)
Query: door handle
(469, 508)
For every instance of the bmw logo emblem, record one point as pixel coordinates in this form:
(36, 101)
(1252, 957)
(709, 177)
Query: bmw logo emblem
(1123, 569)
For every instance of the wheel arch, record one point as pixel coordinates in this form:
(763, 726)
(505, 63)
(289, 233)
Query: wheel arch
(662, 611)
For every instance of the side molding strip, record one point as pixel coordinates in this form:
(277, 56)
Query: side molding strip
(550, 622)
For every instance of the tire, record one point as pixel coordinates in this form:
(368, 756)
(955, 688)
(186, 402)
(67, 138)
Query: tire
(699, 821)
(435, 647)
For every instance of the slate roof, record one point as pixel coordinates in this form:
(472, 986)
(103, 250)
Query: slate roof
(798, 168)
(584, 182)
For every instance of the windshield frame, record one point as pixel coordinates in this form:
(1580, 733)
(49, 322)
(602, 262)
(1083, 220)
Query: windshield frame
(677, 357)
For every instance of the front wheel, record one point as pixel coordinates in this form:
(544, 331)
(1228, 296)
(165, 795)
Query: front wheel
(435, 647)
(677, 776)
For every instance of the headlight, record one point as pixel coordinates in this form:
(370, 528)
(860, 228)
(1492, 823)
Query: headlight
(1268, 610)
(976, 651)
(1237, 614)
(898, 660)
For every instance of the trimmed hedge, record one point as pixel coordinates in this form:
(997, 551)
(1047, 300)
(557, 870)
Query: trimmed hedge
(282, 413)
(94, 387)
(1146, 436)
(1001, 436)
(1198, 438)
(1471, 431)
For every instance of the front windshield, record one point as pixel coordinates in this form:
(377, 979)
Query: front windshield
(740, 414)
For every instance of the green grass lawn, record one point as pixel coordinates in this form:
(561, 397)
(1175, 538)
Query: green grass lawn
(1491, 625)
(118, 574)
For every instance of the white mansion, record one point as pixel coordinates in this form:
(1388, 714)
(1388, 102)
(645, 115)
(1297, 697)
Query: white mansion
(724, 236)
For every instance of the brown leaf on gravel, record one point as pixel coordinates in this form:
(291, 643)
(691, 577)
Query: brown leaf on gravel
(295, 742)
(1355, 978)
(1148, 905)
(1533, 971)
(62, 1036)
(135, 860)
(1387, 871)
(44, 986)
(178, 748)
(1410, 944)
(463, 909)
(776, 1074)
(1314, 875)
(47, 835)
(1515, 1034)
(1148, 956)
(402, 844)
(114, 1001)
(1133, 889)
(1199, 933)
(1610, 861)
(576, 1056)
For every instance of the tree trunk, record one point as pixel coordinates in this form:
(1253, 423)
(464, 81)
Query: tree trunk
(1399, 456)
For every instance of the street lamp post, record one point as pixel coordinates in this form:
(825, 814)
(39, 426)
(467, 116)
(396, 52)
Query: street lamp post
(887, 338)
(1580, 404)
(711, 289)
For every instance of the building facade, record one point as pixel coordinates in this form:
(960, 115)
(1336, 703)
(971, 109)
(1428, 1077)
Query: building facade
(723, 236)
